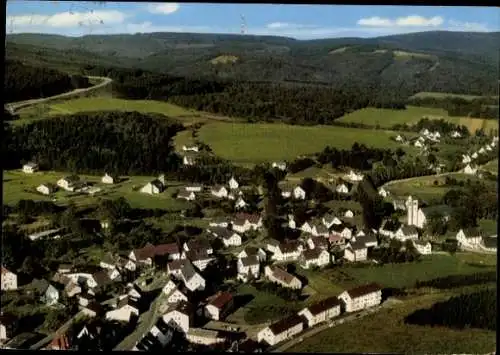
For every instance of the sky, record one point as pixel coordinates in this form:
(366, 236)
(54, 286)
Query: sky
(297, 21)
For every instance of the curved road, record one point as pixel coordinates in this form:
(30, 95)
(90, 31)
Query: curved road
(15, 106)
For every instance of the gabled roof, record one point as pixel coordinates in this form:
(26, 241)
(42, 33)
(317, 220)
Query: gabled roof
(127, 301)
(312, 254)
(72, 178)
(39, 285)
(289, 246)
(358, 244)
(163, 249)
(178, 264)
(220, 300)
(198, 255)
(285, 324)
(101, 278)
(364, 290)
(320, 228)
(198, 244)
(391, 225)
(182, 307)
(324, 305)
(157, 183)
(409, 230)
(252, 218)
(282, 275)
(250, 260)
(148, 251)
(49, 185)
(319, 241)
(472, 232)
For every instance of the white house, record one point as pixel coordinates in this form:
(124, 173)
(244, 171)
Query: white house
(349, 214)
(192, 280)
(9, 280)
(356, 251)
(200, 258)
(482, 151)
(245, 222)
(190, 148)
(354, 176)
(179, 316)
(406, 232)
(455, 134)
(470, 170)
(219, 305)
(248, 266)
(46, 189)
(418, 144)
(189, 160)
(475, 155)
(399, 138)
(185, 195)
(342, 230)
(233, 184)
(383, 192)
(466, 159)
(282, 330)
(108, 179)
(219, 191)
(306, 227)
(321, 311)
(342, 189)
(330, 220)
(361, 297)
(280, 165)
(315, 257)
(251, 251)
(48, 293)
(240, 203)
(469, 238)
(287, 251)
(154, 187)
(207, 337)
(30, 168)
(317, 242)
(424, 248)
(291, 222)
(286, 193)
(68, 183)
(299, 193)
(124, 311)
(319, 229)
(281, 277)
(415, 216)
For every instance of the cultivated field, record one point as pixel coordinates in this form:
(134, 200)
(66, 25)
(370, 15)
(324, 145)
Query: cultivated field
(17, 186)
(386, 332)
(387, 118)
(256, 143)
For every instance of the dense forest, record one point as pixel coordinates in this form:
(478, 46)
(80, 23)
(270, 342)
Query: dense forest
(486, 107)
(453, 281)
(24, 82)
(475, 310)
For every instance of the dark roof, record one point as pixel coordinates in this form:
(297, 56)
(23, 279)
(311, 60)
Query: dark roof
(251, 251)
(289, 246)
(195, 255)
(490, 242)
(320, 228)
(319, 241)
(282, 274)
(252, 218)
(72, 178)
(324, 305)
(337, 228)
(170, 248)
(221, 232)
(472, 232)
(285, 324)
(358, 244)
(7, 319)
(391, 225)
(182, 307)
(148, 251)
(95, 306)
(188, 271)
(127, 301)
(221, 299)
(250, 260)
(312, 254)
(328, 217)
(407, 230)
(177, 264)
(102, 278)
(198, 244)
(364, 290)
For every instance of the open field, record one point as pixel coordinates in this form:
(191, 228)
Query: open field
(256, 143)
(387, 118)
(443, 95)
(17, 186)
(183, 138)
(386, 332)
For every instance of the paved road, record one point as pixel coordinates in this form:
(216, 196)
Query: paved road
(313, 331)
(15, 106)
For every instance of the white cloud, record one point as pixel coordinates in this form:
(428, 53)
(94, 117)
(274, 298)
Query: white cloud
(408, 21)
(164, 9)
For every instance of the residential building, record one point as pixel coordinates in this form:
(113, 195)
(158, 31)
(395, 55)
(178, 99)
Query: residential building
(317, 243)
(189, 160)
(383, 192)
(280, 165)
(248, 267)
(9, 280)
(198, 245)
(355, 177)
(229, 238)
(186, 195)
(330, 220)
(179, 316)
(190, 148)
(109, 179)
(282, 330)
(219, 305)
(155, 186)
(288, 251)
(233, 184)
(469, 238)
(200, 258)
(205, 337)
(47, 292)
(342, 189)
(125, 310)
(252, 251)
(299, 193)
(315, 257)
(321, 311)
(30, 168)
(356, 251)
(244, 222)
(47, 188)
(219, 191)
(424, 248)
(341, 230)
(406, 232)
(469, 170)
(69, 183)
(240, 203)
(281, 277)
(361, 297)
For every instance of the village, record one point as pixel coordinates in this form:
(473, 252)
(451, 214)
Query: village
(193, 305)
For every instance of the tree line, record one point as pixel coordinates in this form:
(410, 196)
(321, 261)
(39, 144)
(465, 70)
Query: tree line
(482, 107)
(454, 281)
(23, 82)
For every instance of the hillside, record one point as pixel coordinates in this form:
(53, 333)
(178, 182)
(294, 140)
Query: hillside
(460, 63)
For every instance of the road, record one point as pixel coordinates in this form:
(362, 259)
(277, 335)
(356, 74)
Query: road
(15, 106)
(313, 331)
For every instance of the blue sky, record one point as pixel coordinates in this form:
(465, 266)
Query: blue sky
(298, 21)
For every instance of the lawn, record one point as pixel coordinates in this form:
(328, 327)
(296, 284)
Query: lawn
(386, 332)
(387, 118)
(183, 138)
(257, 143)
(17, 186)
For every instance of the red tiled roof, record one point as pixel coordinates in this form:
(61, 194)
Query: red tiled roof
(282, 275)
(170, 248)
(221, 299)
(5, 271)
(60, 343)
(252, 218)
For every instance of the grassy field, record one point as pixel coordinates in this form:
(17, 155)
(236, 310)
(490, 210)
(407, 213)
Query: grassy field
(492, 167)
(17, 186)
(442, 95)
(183, 138)
(387, 118)
(386, 332)
(256, 143)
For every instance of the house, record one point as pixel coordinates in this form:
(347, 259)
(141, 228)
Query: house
(361, 297)
(321, 311)
(92, 310)
(283, 329)
(291, 222)
(348, 214)
(314, 257)
(221, 222)
(85, 298)
(190, 148)
(240, 203)
(329, 220)
(228, 237)
(383, 192)
(244, 222)
(306, 227)
(352, 176)
(189, 160)
(279, 165)
(9, 280)
(154, 187)
(415, 216)
(418, 144)
(200, 258)
(198, 245)
(109, 179)
(299, 193)
(248, 267)
(143, 255)
(475, 155)
(194, 188)
(455, 134)
(51, 233)
(406, 232)
(205, 337)
(47, 188)
(100, 278)
(317, 243)
(69, 183)
(369, 238)
(341, 230)
(466, 159)
(281, 277)
(60, 342)
(219, 191)
(399, 138)
(30, 168)
(72, 289)
(490, 244)
(469, 238)
(134, 291)
(192, 280)
(288, 251)
(469, 170)
(488, 148)
(173, 293)
(424, 248)
(233, 184)
(219, 305)
(126, 309)
(342, 189)
(286, 192)
(234, 193)
(482, 151)
(47, 292)
(8, 327)
(425, 132)
(399, 205)
(336, 240)
(356, 251)
(252, 251)
(186, 195)
(319, 229)
(179, 316)
(156, 339)
(389, 228)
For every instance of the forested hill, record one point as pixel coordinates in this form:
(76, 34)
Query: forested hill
(24, 82)
(462, 63)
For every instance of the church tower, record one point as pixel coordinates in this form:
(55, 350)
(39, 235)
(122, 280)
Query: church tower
(412, 212)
